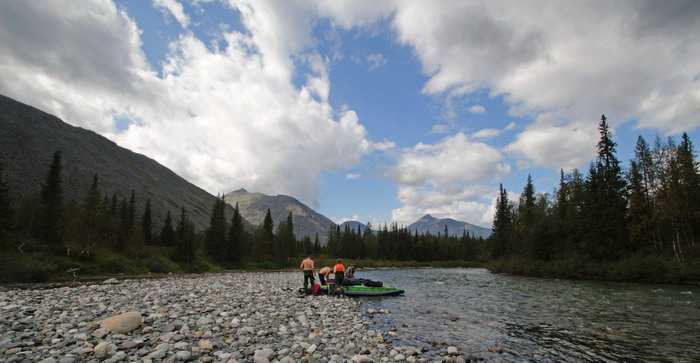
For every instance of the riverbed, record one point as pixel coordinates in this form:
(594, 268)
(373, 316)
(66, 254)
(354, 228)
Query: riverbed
(510, 318)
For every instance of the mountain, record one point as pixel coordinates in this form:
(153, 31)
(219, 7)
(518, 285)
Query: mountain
(307, 222)
(353, 226)
(434, 226)
(29, 137)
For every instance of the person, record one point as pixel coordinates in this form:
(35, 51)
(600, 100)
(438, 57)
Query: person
(350, 273)
(323, 274)
(307, 266)
(339, 271)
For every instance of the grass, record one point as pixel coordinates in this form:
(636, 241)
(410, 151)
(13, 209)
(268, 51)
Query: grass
(38, 267)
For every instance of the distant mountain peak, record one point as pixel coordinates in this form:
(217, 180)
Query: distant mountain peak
(432, 225)
(307, 222)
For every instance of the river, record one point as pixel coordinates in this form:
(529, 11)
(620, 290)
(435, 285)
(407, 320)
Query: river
(539, 319)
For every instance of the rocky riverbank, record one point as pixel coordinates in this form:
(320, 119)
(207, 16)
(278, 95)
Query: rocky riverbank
(236, 317)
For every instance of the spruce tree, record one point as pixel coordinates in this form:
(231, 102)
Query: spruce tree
(185, 248)
(5, 206)
(317, 245)
(235, 237)
(51, 227)
(289, 238)
(131, 213)
(147, 224)
(114, 205)
(265, 238)
(167, 235)
(606, 202)
(502, 225)
(216, 234)
(91, 208)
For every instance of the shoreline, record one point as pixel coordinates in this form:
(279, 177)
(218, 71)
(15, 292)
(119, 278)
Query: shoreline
(229, 317)
(98, 279)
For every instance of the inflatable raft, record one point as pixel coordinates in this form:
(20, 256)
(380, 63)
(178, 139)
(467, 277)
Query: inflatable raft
(360, 290)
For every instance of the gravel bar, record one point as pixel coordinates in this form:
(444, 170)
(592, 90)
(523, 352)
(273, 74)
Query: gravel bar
(233, 317)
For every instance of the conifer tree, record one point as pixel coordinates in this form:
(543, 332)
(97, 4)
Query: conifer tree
(606, 200)
(502, 225)
(114, 205)
(265, 237)
(235, 237)
(147, 223)
(289, 238)
(90, 211)
(216, 234)
(131, 214)
(317, 245)
(51, 227)
(185, 248)
(5, 207)
(167, 235)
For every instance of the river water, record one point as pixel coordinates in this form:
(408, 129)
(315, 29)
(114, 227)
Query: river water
(533, 319)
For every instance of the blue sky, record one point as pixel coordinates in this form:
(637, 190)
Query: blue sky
(368, 110)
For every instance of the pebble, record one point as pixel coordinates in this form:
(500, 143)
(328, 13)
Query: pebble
(183, 356)
(227, 317)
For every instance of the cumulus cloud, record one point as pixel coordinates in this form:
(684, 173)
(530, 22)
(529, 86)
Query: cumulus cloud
(174, 9)
(571, 61)
(222, 118)
(450, 178)
(628, 59)
(477, 109)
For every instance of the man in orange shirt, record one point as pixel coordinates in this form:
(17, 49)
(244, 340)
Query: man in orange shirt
(339, 271)
(307, 265)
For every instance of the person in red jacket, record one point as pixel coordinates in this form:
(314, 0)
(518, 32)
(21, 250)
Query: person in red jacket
(339, 271)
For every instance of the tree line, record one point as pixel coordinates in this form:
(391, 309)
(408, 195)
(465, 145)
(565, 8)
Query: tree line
(609, 214)
(48, 223)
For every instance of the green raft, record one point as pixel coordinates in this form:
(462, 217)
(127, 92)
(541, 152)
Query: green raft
(361, 290)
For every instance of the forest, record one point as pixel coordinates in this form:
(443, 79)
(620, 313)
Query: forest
(634, 224)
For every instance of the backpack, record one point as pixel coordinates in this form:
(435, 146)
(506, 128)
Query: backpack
(316, 288)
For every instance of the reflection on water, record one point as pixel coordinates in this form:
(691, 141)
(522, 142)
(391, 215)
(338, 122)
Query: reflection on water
(540, 319)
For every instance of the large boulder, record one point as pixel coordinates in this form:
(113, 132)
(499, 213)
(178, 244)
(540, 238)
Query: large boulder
(123, 323)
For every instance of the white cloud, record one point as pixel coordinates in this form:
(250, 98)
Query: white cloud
(173, 8)
(490, 132)
(224, 118)
(375, 61)
(383, 145)
(477, 109)
(352, 176)
(440, 128)
(453, 177)
(570, 61)
(556, 145)
(486, 133)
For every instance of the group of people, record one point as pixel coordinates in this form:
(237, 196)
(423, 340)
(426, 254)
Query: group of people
(339, 273)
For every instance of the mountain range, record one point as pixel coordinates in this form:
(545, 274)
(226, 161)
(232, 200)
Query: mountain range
(29, 137)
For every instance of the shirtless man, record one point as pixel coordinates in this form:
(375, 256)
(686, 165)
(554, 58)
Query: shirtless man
(307, 266)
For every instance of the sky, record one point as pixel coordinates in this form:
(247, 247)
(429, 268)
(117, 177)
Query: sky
(370, 110)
